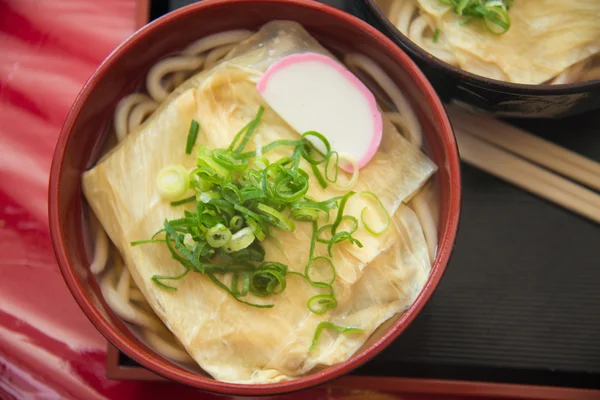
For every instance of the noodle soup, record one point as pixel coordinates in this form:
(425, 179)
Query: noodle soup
(274, 258)
(529, 42)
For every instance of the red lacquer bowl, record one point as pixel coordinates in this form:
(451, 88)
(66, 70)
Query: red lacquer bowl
(86, 129)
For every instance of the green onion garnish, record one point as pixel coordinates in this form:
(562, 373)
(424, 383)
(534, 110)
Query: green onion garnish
(192, 136)
(306, 151)
(436, 35)
(276, 218)
(353, 178)
(330, 156)
(250, 131)
(218, 236)
(327, 228)
(493, 12)
(158, 278)
(340, 214)
(312, 265)
(329, 325)
(268, 279)
(173, 182)
(236, 223)
(386, 216)
(183, 201)
(240, 240)
(235, 294)
(138, 242)
(241, 199)
(320, 303)
(340, 237)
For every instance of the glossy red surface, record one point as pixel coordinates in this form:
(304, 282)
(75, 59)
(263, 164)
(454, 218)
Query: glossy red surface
(48, 348)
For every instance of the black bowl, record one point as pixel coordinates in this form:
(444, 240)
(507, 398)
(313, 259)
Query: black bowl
(491, 95)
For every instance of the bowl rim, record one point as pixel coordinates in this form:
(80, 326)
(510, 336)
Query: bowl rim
(178, 374)
(479, 80)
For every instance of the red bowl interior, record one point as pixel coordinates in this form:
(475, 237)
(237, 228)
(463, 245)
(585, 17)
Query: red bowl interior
(86, 128)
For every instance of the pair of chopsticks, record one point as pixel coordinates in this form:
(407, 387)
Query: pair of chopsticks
(529, 162)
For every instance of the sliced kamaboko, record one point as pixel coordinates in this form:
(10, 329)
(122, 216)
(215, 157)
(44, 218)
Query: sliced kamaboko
(313, 92)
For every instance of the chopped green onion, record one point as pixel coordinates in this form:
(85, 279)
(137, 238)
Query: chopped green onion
(199, 184)
(273, 145)
(249, 213)
(494, 13)
(240, 240)
(251, 128)
(284, 184)
(329, 325)
(208, 168)
(218, 236)
(183, 201)
(335, 166)
(261, 163)
(311, 266)
(213, 278)
(436, 35)
(257, 228)
(231, 193)
(251, 192)
(138, 242)
(229, 160)
(324, 228)
(354, 222)
(462, 4)
(192, 136)
(307, 150)
(340, 237)
(240, 196)
(254, 252)
(327, 228)
(245, 284)
(307, 210)
(497, 20)
(189, 260)
(276, 217)
(319, 176)
(269, 279)
(321, 303)
(386, 216)
(311, 252)
(173, 182)
(340, 214)
(157, 280)
(189, 242)
(353, 178)
(236, 223)
(238, 136)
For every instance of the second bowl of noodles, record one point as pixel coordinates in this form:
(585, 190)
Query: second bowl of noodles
(514, 58)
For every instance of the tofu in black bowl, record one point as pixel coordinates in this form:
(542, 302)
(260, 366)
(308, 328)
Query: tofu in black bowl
(512, 58)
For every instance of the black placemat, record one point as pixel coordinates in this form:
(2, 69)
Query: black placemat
(520, 301)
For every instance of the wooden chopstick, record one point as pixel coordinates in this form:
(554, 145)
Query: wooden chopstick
(528, 146)
(527, 176)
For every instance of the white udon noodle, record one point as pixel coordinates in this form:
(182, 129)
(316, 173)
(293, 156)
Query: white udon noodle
(119, 290)
(405, 16)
